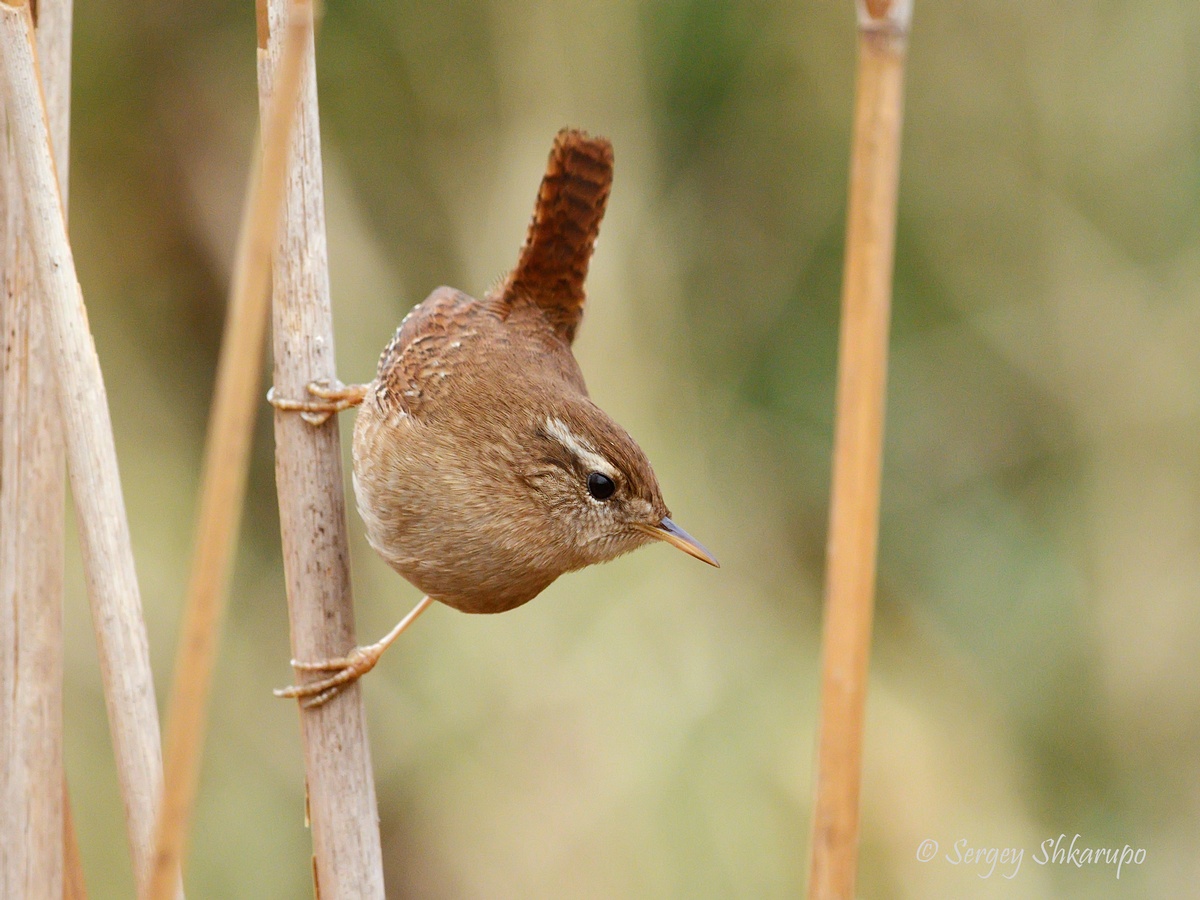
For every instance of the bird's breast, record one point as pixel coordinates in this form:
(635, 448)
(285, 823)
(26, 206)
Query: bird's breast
(435, 509)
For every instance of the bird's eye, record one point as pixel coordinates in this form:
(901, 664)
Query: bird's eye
(600, 486)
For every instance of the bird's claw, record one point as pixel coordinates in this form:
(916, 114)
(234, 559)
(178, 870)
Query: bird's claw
(346, 670)
(332, 397)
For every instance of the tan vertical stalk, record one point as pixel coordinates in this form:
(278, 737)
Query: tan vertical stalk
(858, 443)
(308, 473)
(73, 886)
(226, 463)
(91, 456)
(32, 495)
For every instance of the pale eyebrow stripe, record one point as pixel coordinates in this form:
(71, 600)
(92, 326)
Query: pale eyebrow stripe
(558, 430)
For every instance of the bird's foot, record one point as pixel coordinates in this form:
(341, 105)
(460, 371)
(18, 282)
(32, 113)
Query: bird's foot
(332, 397)
(345, 669)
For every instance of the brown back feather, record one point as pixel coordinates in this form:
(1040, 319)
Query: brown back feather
(554, 261)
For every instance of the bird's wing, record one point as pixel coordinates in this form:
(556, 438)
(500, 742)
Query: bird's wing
(554, 261)
(415, 366)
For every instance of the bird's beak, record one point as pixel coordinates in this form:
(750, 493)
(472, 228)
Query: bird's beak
(668, 531)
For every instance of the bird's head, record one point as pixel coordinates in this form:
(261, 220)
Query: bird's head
(594, 488)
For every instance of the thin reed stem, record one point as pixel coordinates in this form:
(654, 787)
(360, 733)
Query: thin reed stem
(73, 887)
(226, 463)
(858, 443)
(32, 497)
(347, 858)
(91, 456)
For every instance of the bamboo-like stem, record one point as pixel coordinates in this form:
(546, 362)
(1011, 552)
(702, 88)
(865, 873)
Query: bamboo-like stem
(347, 858)
(91, 455)
(32, 496)
(858, 443)
(226, 463)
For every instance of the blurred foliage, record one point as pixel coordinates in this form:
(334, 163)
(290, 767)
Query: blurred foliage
(647, 729)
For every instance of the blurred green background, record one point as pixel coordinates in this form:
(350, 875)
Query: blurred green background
(646, 729)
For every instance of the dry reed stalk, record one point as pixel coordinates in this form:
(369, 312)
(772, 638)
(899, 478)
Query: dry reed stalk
(226, 463)
(91, 456)
(347, 859)
(858, 443)
(73, 884)
(32, 497)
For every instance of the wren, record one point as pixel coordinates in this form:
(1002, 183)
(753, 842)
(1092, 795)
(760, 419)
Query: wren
(482, 469)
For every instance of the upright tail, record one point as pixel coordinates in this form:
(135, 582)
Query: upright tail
(570, 204)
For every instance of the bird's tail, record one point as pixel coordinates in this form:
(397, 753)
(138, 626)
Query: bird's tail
(570, 204)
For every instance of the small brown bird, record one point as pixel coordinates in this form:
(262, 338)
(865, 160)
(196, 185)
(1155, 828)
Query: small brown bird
(482, 469)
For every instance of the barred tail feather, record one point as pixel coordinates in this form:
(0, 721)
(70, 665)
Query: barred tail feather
(554, 261)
